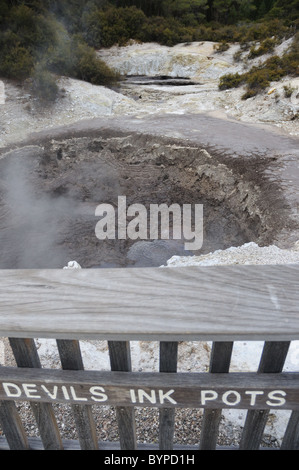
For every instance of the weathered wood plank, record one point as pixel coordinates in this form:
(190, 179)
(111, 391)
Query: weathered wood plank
(272, 361)
(220, 362)
(12, 426)
(25, 354)
(291, 437)
(168, 363)
(71, 359)
(245, 390)
(35, 444)
(165, 304)
(120, 360)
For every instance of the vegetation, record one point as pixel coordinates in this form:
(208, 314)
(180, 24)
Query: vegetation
(259, 77)
(36, 46)
(265, 47)
(40, 39)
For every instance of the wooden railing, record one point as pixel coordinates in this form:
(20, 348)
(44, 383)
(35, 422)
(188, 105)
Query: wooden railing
(219, 304)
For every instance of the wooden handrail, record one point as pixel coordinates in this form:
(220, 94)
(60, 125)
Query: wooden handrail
(217, 303)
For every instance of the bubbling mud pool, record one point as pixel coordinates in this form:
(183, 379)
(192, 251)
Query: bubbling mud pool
(50, 191)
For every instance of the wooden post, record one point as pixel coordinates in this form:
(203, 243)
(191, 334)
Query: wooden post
(272, 361)
(26, 356)
(12, 426)
(291, 437)
(120, 360)
(168, 363)
(220, 362)
(71, 359)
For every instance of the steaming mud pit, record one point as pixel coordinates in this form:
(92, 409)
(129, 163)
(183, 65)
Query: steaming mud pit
(51, 185)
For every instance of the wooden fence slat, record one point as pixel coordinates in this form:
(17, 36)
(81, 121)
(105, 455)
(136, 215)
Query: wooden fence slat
(272, 361)
(25, 354)
(12, 426)
(168, 363)
(220, 362)
(120, 360)
(291, 437)
(71, 359)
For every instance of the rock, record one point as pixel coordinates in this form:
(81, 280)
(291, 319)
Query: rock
(249, 253)
(72, 265)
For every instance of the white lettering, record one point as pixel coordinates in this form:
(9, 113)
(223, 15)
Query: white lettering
(133, 396)
(152, 396)
(253, 394)
(115, 460)
(165, 396)
(105, 227)
(7, 386)
(74, 395)
(99, 394)
(122, 220)
(165, 222)
(198, 224)
(30, 390)
(272, 396)
(142, 394)
(65, 392)
(164, 211)
(192, 459)
(168, 459)
(139, 222)
(237, 398)
(208, 395)
(96, 393)
(52, 394)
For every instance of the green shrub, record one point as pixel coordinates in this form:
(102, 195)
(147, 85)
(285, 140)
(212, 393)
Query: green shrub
(104, 28)
(259, 77)
(230, 80)
(221, 47)
(71, 56)
(257, 80)
(238, 55)
(16, 63)
(91, 69)
(288, 91)
(250, 93)
(265, 47)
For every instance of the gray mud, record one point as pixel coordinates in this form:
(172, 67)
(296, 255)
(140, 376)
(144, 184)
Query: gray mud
(51, 185)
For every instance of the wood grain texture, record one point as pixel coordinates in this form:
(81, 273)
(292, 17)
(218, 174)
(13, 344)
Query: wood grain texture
(12, 426)
(168, 363)
(233, 390)
(71, 359)
(166, 304)
(291, 436)
(120, 360)
(220, 362)
(26, 355)
(272, 361)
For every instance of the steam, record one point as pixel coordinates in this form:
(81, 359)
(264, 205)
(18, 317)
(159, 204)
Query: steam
(30, 219)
